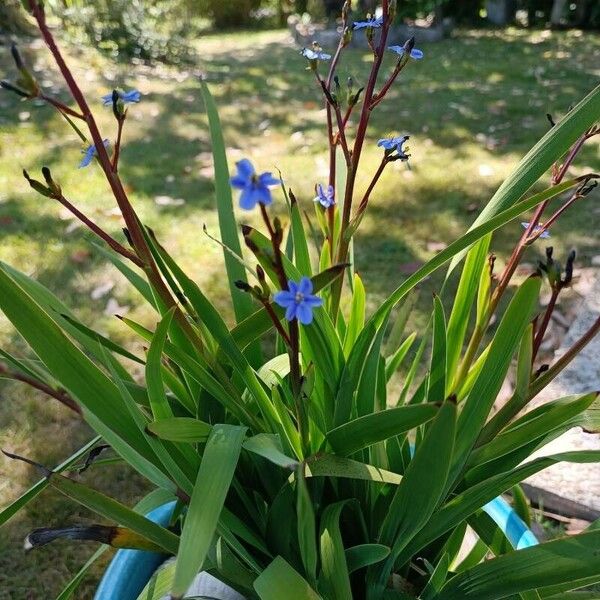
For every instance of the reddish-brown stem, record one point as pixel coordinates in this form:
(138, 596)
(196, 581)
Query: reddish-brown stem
(365, 201)
(116, 246)
(361, 131)
(276, 322)
(542, 381)
(294, 333)
(115, 160)
(129, 215)
(539, 336)
(377, 98)
(62, 107)
(61, 395)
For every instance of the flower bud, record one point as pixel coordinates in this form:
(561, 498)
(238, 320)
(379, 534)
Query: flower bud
(52, 185)
(38, 186)
(346, 36)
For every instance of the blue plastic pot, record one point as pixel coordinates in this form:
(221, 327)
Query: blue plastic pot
(130, 570)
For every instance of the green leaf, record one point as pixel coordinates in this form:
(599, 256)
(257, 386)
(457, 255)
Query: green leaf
(268, 446)
(370, 429)
(330, 465)
(70, 366)
(463, 304)
(180, 429)
(307, 529)
(437, 371)
(12, 509)
(156, 390)
(356, 320)
(437, 579)
(214, 479)
(242, 303)
(507, 338)
(467, 502)
(534, 425)
(300, 245)
(279, 581)
(556, 562)
(115, 511)
(394, 362)
(541, 157)
(335, 574)
(521, 394)
(365, 555)
(417, 496)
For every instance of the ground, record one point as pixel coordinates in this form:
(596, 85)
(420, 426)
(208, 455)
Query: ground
(473, 107)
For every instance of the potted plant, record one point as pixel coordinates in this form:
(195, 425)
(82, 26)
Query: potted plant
(290, 470)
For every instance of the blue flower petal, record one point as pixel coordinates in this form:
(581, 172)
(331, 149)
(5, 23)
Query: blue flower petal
(399, 50)
(238, 182)
(245, 168)
(313, 301)
(304, 314)
(305, 286)
(131, 96)
(416, 54)
(268, 179)
(263, 195)
(248, 198)
(293, 287)
(284, 298)
(290, 313)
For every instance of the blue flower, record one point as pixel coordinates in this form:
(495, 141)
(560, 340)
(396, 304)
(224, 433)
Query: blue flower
(371, 22)
(255, 188)
(325, 197)
(89, 153)
(414, 53)
(298, 300)
(315, 54)
(127, 97)
(544, 235)
(395, 143)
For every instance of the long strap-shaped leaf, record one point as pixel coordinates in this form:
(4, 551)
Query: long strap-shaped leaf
(214, 478)
(552, 563)
(242, 303)
(75, 371)
(485, 389)
(115, 511)
(279, 580)
(540, 158)
(370, 429)
(417, 496)
(382, 314)
(472, 499)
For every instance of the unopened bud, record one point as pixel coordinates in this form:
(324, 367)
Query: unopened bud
(52, 185)
(243, 285)
(409, 45)
(38, 186)
(14, 50)
(569, 267)
(346, 36)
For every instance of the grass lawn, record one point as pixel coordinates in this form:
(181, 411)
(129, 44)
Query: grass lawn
(473, 107)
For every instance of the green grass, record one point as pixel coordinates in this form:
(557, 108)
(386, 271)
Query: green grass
(473, 107)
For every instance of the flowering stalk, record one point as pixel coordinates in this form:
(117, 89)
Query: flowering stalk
(293, 339)
(532, 232)
(129, 215)
(344, 242)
